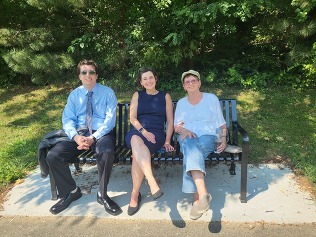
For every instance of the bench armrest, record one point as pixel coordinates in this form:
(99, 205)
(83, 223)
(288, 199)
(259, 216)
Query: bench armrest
(242, 131)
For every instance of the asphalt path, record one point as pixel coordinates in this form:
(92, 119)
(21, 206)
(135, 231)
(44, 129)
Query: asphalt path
(13, 226)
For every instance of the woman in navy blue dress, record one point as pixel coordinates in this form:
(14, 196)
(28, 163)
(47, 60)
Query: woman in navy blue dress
(149, 110)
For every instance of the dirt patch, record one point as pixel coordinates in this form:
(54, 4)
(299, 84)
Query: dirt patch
(5, 190)
(279, 160)
(306, 185)
(3, 194)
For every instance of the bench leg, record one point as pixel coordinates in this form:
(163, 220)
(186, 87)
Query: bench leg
(232, 168)
(53, 187)
(78, 168)
(244, 171)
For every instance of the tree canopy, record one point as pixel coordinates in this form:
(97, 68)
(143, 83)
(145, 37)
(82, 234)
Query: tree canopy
(250, 43)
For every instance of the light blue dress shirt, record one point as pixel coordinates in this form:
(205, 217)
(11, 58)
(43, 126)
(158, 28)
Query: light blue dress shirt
(104, 104)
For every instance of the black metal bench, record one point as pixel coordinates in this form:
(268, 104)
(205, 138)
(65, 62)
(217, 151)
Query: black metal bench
(233, 153)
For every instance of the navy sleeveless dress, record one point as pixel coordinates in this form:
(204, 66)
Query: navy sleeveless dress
(151, 113)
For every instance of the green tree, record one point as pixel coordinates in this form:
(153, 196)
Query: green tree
(251, 43)
(34, 41)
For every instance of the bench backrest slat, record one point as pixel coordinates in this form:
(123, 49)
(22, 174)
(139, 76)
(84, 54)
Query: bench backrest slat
(234, 110)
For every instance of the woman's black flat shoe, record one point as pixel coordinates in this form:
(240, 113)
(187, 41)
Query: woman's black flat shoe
(132, 210)
(157, 194)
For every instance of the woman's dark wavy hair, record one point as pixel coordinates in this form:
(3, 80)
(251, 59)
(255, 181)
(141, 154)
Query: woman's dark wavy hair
(88, 62)
(142, 71)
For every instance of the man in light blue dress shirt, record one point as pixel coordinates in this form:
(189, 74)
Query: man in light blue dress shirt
(101, 140)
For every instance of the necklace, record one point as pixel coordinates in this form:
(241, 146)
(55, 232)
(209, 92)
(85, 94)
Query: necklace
(194, 106)
(194, 101)
(152, 92)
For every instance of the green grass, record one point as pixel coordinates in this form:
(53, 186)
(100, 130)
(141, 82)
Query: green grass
(281, 125)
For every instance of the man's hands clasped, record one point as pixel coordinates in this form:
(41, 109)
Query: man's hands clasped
(84, 143)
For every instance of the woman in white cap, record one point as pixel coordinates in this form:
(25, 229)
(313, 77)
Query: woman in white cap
(197, 117)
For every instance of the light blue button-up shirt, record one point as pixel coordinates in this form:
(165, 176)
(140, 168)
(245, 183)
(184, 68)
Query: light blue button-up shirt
(104, 104)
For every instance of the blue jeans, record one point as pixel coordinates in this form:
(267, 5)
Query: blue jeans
(194, 151)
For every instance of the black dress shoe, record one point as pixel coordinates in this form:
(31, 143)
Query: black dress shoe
(132, 210)
(63, 203)
(109, 205)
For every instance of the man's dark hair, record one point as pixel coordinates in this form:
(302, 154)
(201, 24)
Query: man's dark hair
(87, 62)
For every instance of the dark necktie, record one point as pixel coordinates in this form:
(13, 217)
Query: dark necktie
(89, 112)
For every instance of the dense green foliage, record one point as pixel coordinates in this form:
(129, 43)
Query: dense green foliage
(252, 43)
